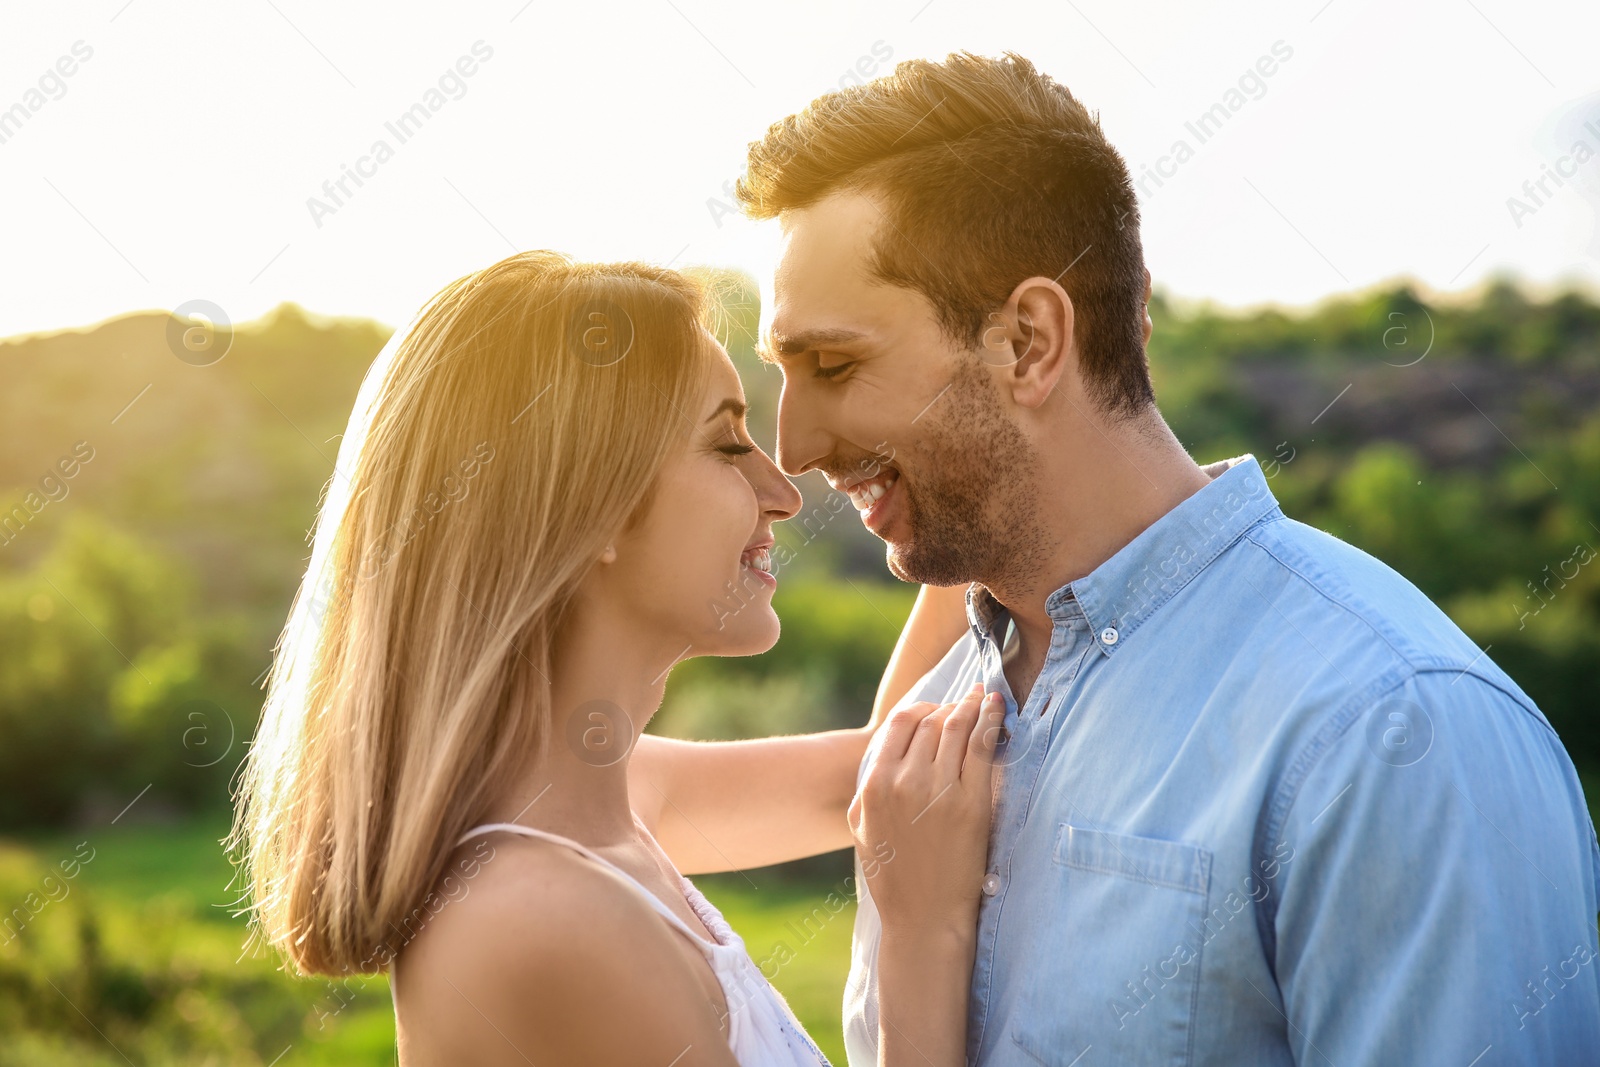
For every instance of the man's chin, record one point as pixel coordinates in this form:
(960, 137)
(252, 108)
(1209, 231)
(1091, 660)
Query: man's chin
(906, 563)
(902, 563)
(898, 571)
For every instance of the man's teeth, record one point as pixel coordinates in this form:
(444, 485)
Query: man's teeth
(865, 494)
(760, 559)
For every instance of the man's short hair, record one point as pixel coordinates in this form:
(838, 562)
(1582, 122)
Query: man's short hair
(989, 172)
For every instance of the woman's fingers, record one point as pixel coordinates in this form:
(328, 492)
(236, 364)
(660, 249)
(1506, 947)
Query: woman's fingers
(899, 728)
(932, 735)
(985, 739)
(957, 732)
(977, 773)
(924, 744)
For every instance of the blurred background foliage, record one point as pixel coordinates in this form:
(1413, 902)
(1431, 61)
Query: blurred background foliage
(1457, 440)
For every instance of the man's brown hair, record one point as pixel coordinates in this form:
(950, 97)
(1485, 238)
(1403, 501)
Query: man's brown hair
(990, 172)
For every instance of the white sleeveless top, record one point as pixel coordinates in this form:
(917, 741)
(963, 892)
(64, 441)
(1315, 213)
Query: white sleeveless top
(762, 1031)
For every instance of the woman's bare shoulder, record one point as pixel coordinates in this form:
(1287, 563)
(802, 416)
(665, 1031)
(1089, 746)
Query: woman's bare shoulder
(542, 951)
(521, 906)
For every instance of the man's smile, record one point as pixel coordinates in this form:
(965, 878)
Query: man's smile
(874, 498)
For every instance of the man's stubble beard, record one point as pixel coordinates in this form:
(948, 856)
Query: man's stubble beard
(973, 512)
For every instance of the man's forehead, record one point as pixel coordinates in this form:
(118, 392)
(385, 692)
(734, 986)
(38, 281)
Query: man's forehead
(869, 313)
(838, 230)
(823, 291)
(816, 303)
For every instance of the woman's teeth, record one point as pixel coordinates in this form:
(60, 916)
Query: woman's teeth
(865, 494)
(760, 559)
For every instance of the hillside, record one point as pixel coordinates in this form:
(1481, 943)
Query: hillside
(1458, 441)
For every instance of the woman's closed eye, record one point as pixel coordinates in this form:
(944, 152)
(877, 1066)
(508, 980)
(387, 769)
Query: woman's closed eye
(734, 451)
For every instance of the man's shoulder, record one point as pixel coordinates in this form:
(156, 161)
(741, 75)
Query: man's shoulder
(1380, 645)
(951, 676)
(1324, 587)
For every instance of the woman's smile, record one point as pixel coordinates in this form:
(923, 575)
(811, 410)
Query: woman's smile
(758, 560)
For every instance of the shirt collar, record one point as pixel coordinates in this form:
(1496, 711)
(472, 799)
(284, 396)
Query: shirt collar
(983, 610)
(1117, 596)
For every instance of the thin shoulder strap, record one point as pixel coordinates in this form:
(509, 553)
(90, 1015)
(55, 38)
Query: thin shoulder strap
(654, 901)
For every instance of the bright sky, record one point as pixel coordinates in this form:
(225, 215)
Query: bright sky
(176, 161)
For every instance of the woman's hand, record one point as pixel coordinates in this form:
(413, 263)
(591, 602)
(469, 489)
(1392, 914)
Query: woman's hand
(921, 826)
(926, 801)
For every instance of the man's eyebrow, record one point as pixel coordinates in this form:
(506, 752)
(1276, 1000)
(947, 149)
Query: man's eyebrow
(780, 345)
(730, 404)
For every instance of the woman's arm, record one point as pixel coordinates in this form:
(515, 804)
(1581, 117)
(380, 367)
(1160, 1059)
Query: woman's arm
(729, 805)
(921, 826)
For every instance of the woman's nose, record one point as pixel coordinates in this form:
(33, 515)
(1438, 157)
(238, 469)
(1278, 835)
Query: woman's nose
(775, 492)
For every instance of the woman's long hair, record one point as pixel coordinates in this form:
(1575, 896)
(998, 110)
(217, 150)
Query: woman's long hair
(494, 450)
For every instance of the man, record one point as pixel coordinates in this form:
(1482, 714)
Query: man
(1260, 801)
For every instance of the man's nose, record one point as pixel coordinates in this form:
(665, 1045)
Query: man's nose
(801, 443)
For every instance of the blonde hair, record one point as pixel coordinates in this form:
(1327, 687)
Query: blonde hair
(495, 450)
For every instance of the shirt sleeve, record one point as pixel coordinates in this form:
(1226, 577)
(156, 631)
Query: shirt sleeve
(1439, 900)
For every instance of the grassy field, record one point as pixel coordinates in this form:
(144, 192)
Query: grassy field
(129, 954)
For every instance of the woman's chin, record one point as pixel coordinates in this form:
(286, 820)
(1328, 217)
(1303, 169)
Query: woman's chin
(754, 632)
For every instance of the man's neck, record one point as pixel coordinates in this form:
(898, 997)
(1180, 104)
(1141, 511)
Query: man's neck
(1101, 484)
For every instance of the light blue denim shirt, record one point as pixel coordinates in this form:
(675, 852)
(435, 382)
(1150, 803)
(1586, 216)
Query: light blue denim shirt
(1266, 804)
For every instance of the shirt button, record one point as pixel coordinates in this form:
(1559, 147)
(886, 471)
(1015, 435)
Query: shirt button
(1109, 635)
(991, 884)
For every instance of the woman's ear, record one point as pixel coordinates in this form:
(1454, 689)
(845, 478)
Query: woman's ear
(609, 555)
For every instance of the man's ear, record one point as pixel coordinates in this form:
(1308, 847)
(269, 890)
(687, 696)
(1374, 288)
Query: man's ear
(1031, 338)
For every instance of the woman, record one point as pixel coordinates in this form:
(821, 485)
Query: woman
(546, 498)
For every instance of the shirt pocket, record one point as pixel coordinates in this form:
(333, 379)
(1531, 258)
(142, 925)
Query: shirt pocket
(1114, 963)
